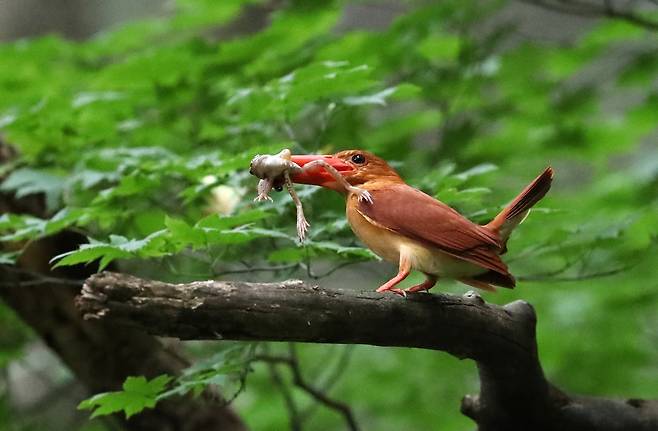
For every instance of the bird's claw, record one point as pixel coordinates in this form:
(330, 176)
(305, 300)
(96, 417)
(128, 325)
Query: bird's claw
(414, 290)
(394, 290)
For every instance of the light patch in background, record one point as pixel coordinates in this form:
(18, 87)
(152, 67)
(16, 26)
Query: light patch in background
(223, 199)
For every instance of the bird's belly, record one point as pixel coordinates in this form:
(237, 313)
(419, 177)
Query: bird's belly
(390, 246)
(434, 261)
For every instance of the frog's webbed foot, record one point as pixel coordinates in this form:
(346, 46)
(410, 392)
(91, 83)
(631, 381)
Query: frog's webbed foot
(302, 226)
(263, 197)
(362, 194)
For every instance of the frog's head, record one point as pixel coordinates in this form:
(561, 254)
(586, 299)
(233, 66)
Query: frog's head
(256, 165)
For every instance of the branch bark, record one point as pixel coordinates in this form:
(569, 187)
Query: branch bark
(514, 394)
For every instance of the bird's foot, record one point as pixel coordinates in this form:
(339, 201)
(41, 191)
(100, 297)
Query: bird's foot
(362, 194)
(424, 286)
(418, 288)
(395, 290)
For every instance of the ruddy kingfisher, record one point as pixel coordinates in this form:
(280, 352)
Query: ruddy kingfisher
(407, 227)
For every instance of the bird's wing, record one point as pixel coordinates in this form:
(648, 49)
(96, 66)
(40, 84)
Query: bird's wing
(416, 215)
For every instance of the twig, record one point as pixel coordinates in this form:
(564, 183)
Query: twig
(291, 406)
(548, 274)
(293, 363)
(242, 384)
(293, 412)
(339, 369)
(607, 10)
(573, 8)
(307, 264)
(332, 379)
(578, 277)
(36, 279)
(256, 269)
(314, 276)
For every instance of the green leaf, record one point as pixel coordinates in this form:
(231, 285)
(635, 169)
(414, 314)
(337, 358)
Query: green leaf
(641, 70)
(119, 247)
(220, 222)
(440, 48)
(24, 182)
(241, 235)
(183, 233)
(347, 252)
(8, 258)
(482, 169)
(20, 228)
(287, 254)
(228, 365)
(378, 98)
(401, 128)
(88, 253)
(137, 395)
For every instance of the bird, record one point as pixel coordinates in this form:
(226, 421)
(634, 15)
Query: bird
(415, 231)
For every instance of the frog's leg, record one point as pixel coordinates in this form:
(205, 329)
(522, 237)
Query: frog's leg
(362, 194)
(302, 224)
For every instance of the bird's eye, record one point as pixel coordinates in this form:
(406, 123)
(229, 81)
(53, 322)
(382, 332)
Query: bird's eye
(359, 159)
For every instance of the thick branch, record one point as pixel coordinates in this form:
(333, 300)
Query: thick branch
(514, 393)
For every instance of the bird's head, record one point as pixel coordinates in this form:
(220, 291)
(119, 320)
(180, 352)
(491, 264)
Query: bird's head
(356, 166)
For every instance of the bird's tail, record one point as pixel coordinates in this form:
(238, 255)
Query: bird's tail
(517, 210)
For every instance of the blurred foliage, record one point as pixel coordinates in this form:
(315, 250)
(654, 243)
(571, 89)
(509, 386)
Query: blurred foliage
(141, 135)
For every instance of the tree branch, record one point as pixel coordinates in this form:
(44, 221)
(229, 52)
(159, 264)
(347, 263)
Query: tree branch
(298, 379)
(291, 406)
(604, 10)
(513, 395)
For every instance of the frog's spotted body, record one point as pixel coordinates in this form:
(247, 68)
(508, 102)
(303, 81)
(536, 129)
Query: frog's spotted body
(270, 169)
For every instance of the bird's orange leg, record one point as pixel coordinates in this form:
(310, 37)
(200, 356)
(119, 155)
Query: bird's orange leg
(403, 272)
(425, 285)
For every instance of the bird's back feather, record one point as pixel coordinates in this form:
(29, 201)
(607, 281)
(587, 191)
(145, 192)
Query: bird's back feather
(416, 215)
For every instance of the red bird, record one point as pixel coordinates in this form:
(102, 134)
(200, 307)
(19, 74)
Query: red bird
(412, 229)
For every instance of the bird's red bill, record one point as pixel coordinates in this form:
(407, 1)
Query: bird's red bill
(318, 176)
